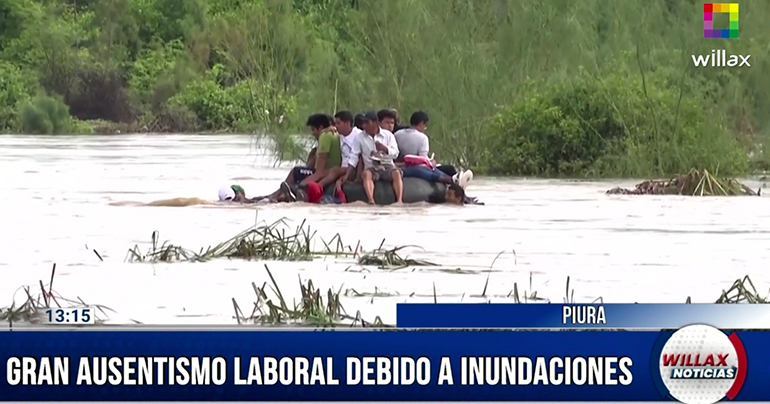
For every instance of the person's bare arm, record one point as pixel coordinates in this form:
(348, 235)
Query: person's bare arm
(311, 158)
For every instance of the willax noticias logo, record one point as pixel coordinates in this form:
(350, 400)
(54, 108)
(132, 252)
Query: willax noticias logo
(700, 364)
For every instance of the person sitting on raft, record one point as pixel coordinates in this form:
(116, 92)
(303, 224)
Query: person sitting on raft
(387, 119)
(343, 121)
(414, 142)
(358, 122)
(312, 192)
(377, 148)
(397, 126)
(327, 155)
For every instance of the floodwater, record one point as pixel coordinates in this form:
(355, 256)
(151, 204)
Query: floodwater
(64, 197)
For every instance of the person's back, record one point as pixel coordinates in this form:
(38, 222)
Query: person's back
(412, 141)
(329, 142)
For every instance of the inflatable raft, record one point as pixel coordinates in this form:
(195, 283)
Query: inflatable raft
(415, 190)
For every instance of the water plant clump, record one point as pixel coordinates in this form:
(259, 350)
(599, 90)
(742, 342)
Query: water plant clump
(742, 291)
(311, 310)
(273, 242)
(261, 242)
(694, 183)
(33, 309)
(390, 258)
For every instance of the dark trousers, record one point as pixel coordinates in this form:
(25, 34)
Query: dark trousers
(448, 170)
(299, 173)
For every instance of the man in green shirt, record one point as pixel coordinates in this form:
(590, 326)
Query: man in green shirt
(328, 155)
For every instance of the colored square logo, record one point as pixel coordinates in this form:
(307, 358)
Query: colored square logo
(729, 30)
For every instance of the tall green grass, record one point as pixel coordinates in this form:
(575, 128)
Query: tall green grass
(263, 65)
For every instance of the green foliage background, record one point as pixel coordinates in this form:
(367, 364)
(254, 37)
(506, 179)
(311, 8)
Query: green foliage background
(513, 87)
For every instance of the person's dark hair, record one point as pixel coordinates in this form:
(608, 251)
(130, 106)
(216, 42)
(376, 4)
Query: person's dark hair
(386, 113)
(398, 117)
(322, 121)
(418, 118)
(344, 116)
(358, 121)
(457, 190)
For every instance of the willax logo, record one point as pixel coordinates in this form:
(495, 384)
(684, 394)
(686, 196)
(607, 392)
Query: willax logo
(700, 364)
(709, 10)
(720, 58)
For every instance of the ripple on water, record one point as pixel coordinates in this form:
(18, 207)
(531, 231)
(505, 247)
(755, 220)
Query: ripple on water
(67, 192)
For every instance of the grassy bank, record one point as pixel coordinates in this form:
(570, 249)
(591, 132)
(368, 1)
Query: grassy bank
(559, 88)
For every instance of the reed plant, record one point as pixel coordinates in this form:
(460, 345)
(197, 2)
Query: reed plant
(274, 242)
(32, 310)
(311, 310)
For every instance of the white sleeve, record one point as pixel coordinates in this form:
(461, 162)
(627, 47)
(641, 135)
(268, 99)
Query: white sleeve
(355, 152)
(392, 146)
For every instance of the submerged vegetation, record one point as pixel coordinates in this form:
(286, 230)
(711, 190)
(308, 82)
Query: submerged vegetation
(694, 183)
(275, 242)
(589, 88)
(270, 307)
(32, 310)
(314, 307)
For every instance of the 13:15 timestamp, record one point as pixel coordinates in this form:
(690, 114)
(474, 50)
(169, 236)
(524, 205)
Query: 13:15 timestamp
(74, 316)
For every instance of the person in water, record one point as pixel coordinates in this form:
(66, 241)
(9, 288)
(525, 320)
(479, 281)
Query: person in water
(328, 155)
(377, 148)
(413, 141)
(454, 194)
(235, 193)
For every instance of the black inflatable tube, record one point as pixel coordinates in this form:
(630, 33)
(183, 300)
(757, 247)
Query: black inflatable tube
(415, 190)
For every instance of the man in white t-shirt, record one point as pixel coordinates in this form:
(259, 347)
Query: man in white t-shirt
(343, 122)
(414, 141)
(378, 149)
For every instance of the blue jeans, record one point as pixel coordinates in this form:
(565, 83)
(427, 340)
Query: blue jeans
(428, 174)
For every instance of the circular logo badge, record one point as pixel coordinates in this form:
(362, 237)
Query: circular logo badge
(700, 364)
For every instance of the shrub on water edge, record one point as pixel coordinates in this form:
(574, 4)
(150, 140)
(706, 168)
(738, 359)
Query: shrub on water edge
(45, 115)
(246, 106)
(15, 89)
(610, 126)
(158, 74)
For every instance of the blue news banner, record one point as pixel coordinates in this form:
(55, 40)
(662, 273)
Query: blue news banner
(249, 364)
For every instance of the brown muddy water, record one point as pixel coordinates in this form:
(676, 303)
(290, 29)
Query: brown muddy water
(63, 197)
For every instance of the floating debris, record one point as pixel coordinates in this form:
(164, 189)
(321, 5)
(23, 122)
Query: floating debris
(390, 259)
(694, 183)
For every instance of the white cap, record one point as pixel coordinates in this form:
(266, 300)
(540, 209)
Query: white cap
(226, 193)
